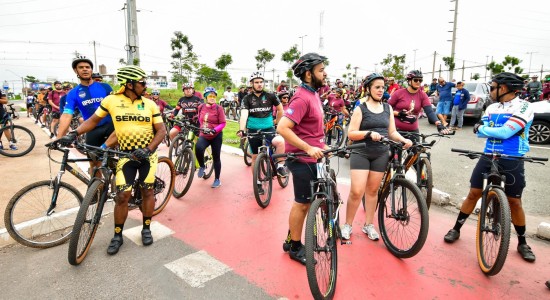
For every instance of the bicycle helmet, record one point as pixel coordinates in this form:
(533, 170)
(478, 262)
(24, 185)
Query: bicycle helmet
(511, 80)
(96, 75)
(155, 92)
(306, 62)
(414, 74)
(282, 93)
(209, 90)
(80, 59)
(370, 78)
(187, 85)
(256, 75)
(130, 73)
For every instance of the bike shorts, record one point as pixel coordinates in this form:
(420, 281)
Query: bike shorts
(127, 169)
(56, 114)
(513, 169)
(40, 109)
(99, 135)
(373, 161)
(256, 142)
(302, 175)
(30, 105)
(4, 119)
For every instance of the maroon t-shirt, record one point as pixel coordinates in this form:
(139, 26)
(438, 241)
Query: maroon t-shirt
(323, 89)
(306, 111)
(55, 96)
(336, 104)
(212, 117)
(161, 104)
(403, 100)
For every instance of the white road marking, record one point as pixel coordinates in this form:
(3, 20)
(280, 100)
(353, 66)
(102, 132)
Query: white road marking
(158, 230)
(197, 268)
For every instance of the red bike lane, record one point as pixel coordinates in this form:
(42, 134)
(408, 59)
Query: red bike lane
(229, 225)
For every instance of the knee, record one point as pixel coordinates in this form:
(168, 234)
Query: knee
(515, 204)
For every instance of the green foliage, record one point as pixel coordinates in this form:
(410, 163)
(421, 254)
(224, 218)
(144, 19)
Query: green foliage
(263, 58)
(476, 76)
(449, 62)
(31, 79)
(510, 63)
(393, 66)
(230, 137)
(205, 74)
(224, 61)
(185, 60)
(290, 57)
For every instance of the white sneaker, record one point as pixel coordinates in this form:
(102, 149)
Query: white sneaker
(346, 231)
(371, 232)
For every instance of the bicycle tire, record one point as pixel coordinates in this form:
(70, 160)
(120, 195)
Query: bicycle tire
(262, 173)
(23, 137)
(185, 171)
(164, 183)
(176, 145)
(497, 216)
(426, 180)
(321, 251)
(31, 203)
(208, 163)
(247, 157)
(86, 223)
(397, 231)
(283, 181)
(339, 135)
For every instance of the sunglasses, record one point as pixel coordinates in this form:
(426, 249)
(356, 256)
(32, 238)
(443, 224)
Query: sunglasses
(493, 88)
(417, 79)
(142, 82)
(284, 97)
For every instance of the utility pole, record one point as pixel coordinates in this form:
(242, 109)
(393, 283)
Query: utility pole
(530, 57)
(414, 60)
(132, 48)
(302, 38)
(462, 78)
(433, 65)
(486, 62)
(95, 57)
(273, 80)
(355, 76)
(454, 38)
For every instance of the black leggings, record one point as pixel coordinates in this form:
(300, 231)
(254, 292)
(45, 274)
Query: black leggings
(216, 145)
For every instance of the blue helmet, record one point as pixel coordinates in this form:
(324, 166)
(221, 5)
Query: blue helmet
(209, 90)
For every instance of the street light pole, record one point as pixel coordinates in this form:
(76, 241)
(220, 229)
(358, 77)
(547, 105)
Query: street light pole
(302, 38)
(414, 60)
(530, 57)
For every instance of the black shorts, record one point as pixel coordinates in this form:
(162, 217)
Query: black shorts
(513, 169)
(56, 114)
(29, 105)
(373, 161)
(256, 142)
(302, 174)
(99, 135)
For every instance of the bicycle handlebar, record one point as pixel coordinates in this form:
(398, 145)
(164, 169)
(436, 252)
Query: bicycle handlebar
(475, 154)
(341, 150)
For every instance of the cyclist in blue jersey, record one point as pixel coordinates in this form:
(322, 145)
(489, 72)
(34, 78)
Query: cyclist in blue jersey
(505, 125)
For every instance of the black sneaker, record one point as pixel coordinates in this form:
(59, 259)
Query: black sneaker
(299, 256)
(286, 246)
(115, 244)
(452, 236)
(260, 189)
(51, 135)
(526, 252)
(548, 284)
(282, 171)
(146, 237)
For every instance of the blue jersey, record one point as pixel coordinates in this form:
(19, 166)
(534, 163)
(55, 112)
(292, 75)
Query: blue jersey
(506, 127)
(87, 100)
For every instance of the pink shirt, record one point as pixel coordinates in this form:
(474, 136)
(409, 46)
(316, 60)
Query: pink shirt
(336, 103)
(306, 111)
(212, 117)
(403, 100)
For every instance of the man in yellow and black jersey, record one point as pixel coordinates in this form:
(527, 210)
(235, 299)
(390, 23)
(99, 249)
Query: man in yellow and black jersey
(139, 129)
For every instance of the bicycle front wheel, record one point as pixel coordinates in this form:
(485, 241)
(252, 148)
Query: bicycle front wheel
(86, 223)
(493, 233)
(33, 221)
(425, 180)
(405, 228)
(164, 183)
(321, 251)
(262, 180)
(22, 137)
(185, 169)
(208, 163)
(176, 146)
(247, 157)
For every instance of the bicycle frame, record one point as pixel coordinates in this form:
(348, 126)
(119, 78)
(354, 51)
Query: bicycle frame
(267, 147)
(394, 170)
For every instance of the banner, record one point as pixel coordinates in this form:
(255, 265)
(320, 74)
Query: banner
(162, 85)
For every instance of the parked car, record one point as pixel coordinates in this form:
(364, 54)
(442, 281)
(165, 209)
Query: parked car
(539, 132)
(479, 99)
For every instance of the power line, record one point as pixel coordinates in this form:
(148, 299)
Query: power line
(46, 43)
(54, 21)
(39, 11)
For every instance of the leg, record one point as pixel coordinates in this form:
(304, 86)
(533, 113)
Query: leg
(216, 145)
(454, 113)
(357, 190)
(200, 147)
(465, 210)
(461, 118)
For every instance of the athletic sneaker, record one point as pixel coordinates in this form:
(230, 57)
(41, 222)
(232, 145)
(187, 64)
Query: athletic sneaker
(260, 189)
(346, 231)
(201, 172)
(371, 232)
(13, 146)
(217, 183)
(1, 146)
(282, 171)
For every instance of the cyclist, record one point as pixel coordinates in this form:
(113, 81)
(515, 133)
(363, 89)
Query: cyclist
(212, 120)
(40, 105)
(302, 129)
(139, 129)
(369, 123)
(31, 100)
(4, 115)
(155, 96)
(505, 124)
(86, 98)
(188, 104)
(337, 103)
(229, 97)
(53, 99)
(97, 77)
(392, 86)
(408, 102)
(256, 116)
(534, 88)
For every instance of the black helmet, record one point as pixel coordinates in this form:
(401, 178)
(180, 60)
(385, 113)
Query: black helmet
(80, 59)
(282, 93)
(414, 74)
(97, 75)
(512, 81)
(307, 62)
(370, 78)
(57, 82)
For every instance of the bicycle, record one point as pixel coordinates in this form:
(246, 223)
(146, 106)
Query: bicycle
(181, 152)
(247, 157)
(264, 170)
(100, 189)
(493, 224)
(169, 124)
(22, 137)
(333, 129)
(322, 224)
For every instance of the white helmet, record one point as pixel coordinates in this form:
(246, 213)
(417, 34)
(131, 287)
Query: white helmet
(256, 75)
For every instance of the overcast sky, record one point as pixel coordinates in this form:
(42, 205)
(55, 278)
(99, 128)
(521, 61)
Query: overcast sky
(39, 37)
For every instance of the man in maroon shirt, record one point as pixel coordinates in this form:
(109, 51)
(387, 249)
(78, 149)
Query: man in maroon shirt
(302, 129)
(53, 99)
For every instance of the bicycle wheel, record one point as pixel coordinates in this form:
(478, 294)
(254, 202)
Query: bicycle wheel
(208, 163)
(321, 251)
(164, 183)
(283, 181)
(403, 231)
(185, 171)
(246, 154)
(426, 180)
(262, 180)
(493, 235)
(86, 223)
(338, 136)
(176, 145)
(27, 219)
(22, 137)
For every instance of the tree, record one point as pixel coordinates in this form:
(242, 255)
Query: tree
(185, 60)
(348, 74)
(290, 57)
(224, 61)
(511, 63)
(263, 58)
(31, 79)
(393, 66)
(449, 62)
(210, 75)
(476, 76)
